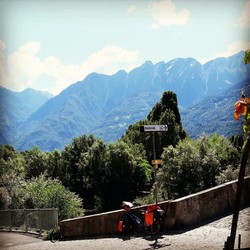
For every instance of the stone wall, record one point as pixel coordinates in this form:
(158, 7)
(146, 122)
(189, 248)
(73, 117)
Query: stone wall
(184, 212)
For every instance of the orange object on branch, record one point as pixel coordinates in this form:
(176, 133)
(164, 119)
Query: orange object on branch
(241, 107)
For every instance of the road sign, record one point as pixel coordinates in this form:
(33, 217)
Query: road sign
(154, 128)
(156, 162)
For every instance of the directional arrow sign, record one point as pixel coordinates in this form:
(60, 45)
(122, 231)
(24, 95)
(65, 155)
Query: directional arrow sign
(154, 128)
(156, 162)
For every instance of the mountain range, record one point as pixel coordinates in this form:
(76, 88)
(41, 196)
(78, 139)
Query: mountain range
(214, 114)
(15, 108)
(106, 105)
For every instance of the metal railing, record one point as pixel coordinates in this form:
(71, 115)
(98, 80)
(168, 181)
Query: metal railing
(29, 219)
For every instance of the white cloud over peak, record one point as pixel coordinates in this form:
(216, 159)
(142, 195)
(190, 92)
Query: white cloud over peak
(24, 67)
(165, 13)
(234, 48)
(2, 48)
(132, 8)
(110, 59)
(244, 20)
(3, 76)
(231, 49)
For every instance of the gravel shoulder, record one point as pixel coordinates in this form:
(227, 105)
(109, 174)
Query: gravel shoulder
(209, 236)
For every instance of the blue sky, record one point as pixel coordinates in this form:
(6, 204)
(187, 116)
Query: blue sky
(50, 44)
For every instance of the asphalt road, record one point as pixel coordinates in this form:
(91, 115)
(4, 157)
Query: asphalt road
(11, 239)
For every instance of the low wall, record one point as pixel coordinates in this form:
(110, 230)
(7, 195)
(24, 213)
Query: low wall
(184, 212)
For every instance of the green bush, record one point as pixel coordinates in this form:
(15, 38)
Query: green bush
(47, 193)
(193, 166)
(53, 234)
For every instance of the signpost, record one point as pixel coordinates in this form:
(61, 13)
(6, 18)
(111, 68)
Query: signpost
(155, 162)
(154, 128)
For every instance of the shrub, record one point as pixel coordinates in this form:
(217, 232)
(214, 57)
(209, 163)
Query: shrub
(47, 193)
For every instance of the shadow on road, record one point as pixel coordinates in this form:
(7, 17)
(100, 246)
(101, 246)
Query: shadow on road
(155, 242)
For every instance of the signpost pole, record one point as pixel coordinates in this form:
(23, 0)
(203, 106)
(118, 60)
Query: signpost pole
(155, 170)
(152, 129)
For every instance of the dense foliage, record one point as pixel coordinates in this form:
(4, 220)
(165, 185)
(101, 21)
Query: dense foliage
(164, 112)
(102, 175)
(89, 173)
(44, 192)
(193, 166)
(18, 191)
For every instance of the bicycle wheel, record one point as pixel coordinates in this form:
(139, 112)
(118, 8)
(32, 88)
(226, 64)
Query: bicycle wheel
(153, 229)
(54, 237)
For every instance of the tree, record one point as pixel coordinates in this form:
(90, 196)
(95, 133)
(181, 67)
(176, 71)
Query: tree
(11, 160)
(127, 173)
(93, 166)
(164, 112)
(41, 192)
(5, 199)
(18, 189)
(134, 136)
(167, 102)
(194, 165)
(35, 162)
(11, 174)
(72, 172)
(168, 113)
(54, 168)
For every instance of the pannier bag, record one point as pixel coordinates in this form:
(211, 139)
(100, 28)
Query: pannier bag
(149, 218)
(152, 208)
(150, 213)
(120, 226)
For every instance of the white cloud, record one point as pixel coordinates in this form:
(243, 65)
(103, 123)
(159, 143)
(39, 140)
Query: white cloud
(2, 48)
(164, 13)
(244, 20)
(232, 49)
(131, 8)
(106, 61)
(3, 75)
(110, 59)
(24, 67)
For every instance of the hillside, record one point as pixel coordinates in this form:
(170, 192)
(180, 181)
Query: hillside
(215, 113)
(106, 105)
(15, 108)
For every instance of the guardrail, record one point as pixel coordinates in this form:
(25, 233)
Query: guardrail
(29, 219)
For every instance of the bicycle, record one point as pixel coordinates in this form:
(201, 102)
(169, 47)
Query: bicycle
(150, 222)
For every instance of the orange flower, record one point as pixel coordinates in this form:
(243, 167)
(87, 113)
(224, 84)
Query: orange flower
(241, 107)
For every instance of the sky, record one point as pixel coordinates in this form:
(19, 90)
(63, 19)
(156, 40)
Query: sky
(50, 44)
